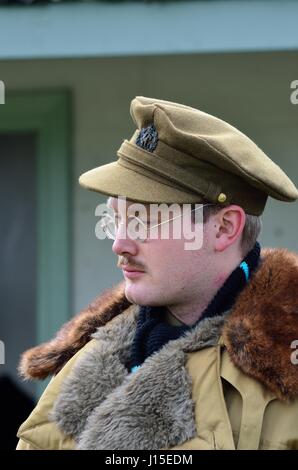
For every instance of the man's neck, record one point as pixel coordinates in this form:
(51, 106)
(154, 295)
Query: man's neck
(186, 314)
(190, 312)
(172, 320)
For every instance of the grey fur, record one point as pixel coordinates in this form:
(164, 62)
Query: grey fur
(104, 407)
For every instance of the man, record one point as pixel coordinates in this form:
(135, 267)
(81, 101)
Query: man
(196, 350)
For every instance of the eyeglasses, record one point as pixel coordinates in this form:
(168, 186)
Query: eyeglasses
(136, 229)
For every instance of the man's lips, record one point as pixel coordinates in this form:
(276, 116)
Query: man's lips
(131, 273)
(131, 270)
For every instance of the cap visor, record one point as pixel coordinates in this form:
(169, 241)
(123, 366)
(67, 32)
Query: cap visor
(115, 180)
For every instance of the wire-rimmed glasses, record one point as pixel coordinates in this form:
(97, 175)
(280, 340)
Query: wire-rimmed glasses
(136, 228)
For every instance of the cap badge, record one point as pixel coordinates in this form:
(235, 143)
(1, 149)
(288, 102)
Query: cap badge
(148, 138)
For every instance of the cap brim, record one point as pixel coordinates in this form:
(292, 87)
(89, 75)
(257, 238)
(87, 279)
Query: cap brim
(115, 180)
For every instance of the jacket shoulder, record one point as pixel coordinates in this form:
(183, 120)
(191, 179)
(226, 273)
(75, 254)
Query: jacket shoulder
(38, 432)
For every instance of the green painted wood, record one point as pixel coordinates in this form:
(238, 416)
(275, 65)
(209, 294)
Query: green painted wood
(48, 114)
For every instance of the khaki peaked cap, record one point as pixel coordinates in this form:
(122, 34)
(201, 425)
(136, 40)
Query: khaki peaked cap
(179, 154)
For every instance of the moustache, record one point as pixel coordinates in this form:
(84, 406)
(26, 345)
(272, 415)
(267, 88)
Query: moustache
(124, 261)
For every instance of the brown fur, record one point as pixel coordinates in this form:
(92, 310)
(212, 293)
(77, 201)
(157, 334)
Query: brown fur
(264, 322)
(258, 332)
(50, 357)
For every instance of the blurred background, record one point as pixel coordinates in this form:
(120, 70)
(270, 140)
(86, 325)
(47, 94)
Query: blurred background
(69, 71)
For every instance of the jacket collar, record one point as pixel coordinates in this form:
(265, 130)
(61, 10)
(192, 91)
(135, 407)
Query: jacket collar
(263, 324)
(103, 406)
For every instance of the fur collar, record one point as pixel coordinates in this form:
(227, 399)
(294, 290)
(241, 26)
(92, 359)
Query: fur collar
(49, 358)
(264, 323)
(258, 332)
(102, 406)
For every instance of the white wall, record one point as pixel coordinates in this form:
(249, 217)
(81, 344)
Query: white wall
(251, 91)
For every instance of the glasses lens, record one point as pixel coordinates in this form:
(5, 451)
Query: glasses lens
(136, 229)
(108, 226)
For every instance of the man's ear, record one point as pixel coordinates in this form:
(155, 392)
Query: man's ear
(229, 224)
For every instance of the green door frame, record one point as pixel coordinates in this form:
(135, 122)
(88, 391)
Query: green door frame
(47, 113)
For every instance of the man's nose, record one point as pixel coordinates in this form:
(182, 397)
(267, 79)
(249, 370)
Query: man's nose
(123, 244)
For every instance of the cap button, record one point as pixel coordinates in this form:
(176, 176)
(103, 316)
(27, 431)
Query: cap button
(222, 197)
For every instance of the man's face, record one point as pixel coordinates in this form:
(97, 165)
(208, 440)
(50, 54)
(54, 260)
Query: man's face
(161, 271)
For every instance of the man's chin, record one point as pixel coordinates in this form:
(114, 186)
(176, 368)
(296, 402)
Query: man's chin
(140, 296)
(135, 294)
